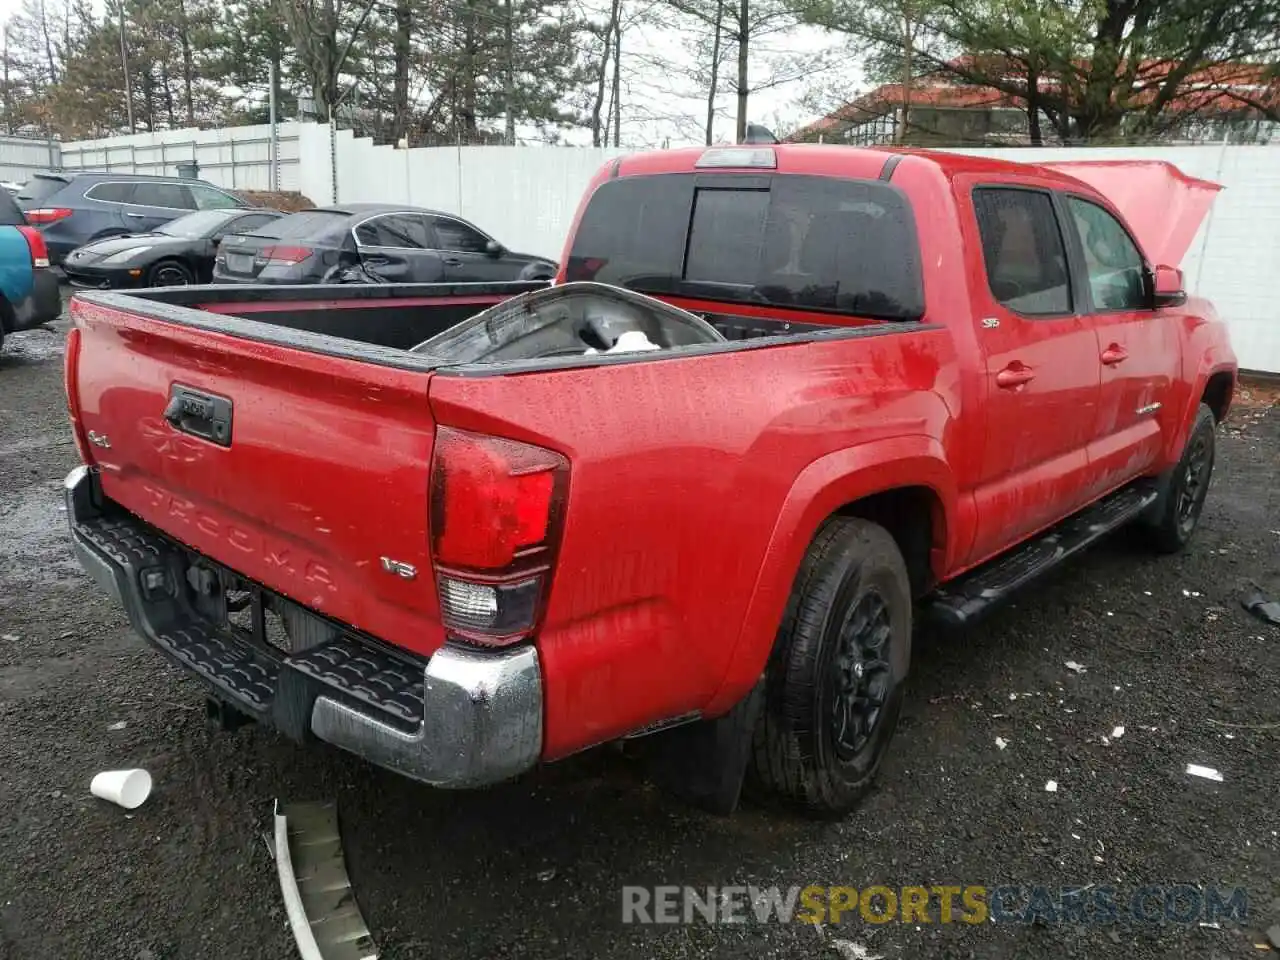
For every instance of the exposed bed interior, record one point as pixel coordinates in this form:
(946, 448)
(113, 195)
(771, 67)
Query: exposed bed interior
(507, 321)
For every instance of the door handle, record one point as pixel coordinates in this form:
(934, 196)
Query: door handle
(452, 262)
(1015, 375)
(376, 261)
(137, 216)
(1114, 354)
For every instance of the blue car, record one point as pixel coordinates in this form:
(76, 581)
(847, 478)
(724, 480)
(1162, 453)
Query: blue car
(28, 286)
(73, 209)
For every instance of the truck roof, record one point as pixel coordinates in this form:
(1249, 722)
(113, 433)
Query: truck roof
(829, 160)
(1162, 205)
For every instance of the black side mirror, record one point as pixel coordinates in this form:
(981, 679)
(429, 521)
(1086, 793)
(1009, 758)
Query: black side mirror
(1166, 287)
(494, 249)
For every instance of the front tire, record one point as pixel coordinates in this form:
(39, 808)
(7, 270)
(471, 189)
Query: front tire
(170, 273)
(1176, 513)
(834, 684)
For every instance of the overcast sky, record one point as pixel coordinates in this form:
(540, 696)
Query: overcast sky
(658, 105)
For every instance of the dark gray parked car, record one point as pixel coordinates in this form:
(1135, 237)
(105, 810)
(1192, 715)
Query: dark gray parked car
(372, 243)
(72, 209)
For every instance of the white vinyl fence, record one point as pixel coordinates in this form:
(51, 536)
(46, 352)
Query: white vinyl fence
(235, 157)
(20, 157)
(527, 196)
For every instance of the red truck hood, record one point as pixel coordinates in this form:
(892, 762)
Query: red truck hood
(1163, 206)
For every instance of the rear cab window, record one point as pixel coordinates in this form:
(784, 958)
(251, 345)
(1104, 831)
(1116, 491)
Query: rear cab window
(788, 240)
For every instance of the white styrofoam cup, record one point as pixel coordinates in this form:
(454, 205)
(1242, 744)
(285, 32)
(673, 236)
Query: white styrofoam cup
(127, 788)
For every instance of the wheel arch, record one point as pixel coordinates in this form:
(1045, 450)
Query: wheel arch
(904, 484)
(1219, 389)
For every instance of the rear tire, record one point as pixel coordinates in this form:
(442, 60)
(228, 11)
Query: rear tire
(170, 273)
(834, 684)
(1174, 516)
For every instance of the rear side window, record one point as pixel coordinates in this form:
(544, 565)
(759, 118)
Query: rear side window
(207, 198)
(846, 246)
(317, 225)
(394, 230)
(175, 196)
(111, 192)
(38, 187)
(1023, 249)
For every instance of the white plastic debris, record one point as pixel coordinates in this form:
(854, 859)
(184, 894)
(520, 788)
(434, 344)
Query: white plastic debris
(1051, 786)
(9, 637)
(1076, 667)
(849, 950)
(1208, 773)
(1110, 614)
(118, 725)
(126, 788)
(1117, 733)
(1001, 743)
(1013, 696)
(633, 341)
(1146, 593)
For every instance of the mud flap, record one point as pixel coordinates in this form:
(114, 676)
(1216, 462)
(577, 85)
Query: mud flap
(705, 763)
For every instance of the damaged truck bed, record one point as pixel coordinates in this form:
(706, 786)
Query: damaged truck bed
(779, 402)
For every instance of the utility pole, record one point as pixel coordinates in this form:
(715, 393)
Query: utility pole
(273, 151)
(744, 39)
(617, 85)
(509, 75)
(8, 98)
(124, 67)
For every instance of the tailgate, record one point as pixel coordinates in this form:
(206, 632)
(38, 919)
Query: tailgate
(303, 471)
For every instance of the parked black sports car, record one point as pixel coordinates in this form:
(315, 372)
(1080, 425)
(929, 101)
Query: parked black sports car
(179, 253)
(373, 243)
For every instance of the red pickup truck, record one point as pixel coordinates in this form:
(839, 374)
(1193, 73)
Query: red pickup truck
(780, 402)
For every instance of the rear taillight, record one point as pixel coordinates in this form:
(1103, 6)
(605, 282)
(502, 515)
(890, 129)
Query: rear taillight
(70, 358)
(35, 243)
(286, 254)
(496, 507)
(46, 215)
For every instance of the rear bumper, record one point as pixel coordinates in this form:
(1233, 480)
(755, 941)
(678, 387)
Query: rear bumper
(42, 305)
(462, 718)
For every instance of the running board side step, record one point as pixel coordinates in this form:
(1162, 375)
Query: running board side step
(968, 597)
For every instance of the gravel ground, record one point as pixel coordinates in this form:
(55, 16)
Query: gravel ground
(534, 869)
